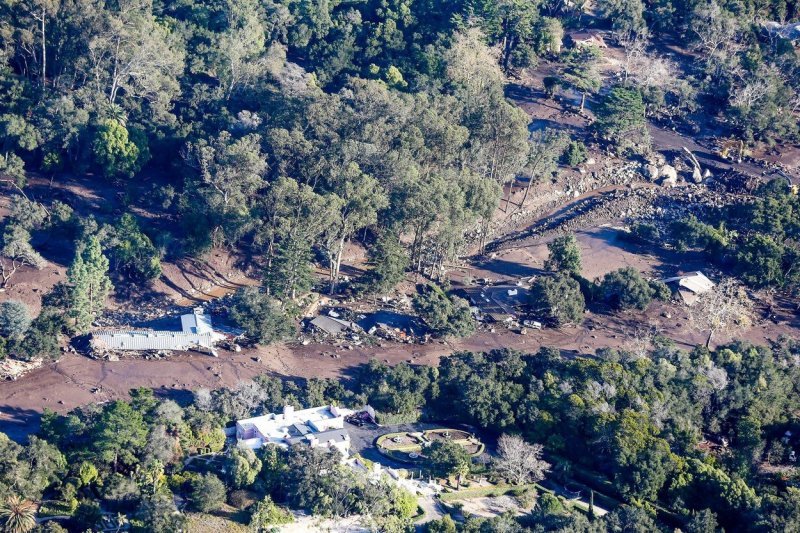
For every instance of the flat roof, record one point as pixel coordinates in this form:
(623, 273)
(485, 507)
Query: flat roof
(331, 325)
(696, 282)
(497, 301)
(282, 427)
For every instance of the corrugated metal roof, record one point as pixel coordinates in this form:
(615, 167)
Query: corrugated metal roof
(150, 340)
(333, 326)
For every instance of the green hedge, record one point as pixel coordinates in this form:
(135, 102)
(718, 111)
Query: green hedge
(391, 419)
(482, 492)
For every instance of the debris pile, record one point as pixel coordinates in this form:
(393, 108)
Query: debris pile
(142, 312)
(341, 325)
(13, 369)
(645, 203)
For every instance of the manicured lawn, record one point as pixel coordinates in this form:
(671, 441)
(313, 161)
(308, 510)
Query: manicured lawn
(213, 524)
(482, 492)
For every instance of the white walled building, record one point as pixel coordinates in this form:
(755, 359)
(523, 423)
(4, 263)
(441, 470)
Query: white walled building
(316, 427)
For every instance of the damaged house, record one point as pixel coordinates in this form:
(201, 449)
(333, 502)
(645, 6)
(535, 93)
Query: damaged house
(196, 334)
(333, 326)
(690, 286)
(501, 303)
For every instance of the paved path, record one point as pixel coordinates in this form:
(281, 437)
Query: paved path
(433, 510)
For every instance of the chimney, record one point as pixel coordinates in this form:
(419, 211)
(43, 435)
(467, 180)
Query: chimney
(288, 412)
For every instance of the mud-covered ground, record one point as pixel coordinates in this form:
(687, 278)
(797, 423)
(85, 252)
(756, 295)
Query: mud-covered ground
(593, 200)
(76, 380)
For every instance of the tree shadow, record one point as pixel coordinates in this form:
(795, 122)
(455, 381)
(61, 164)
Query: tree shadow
(181, 396)
(180, 290)
(509, 268)
(525, 93)
(352, 271)
(19, 423)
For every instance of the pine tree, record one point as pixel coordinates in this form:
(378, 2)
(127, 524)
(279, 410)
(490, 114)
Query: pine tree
(389, 263)
(291, 272)
(90, 285)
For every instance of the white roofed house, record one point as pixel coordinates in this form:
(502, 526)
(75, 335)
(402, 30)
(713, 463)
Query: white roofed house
(197, 333)
(690, 286)
(318, 427)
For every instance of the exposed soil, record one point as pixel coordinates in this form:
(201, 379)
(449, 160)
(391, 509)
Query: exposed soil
(76, 380)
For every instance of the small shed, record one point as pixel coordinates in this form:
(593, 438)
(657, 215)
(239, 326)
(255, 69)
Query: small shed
(690, 286)
(333, 326)
(583, 38)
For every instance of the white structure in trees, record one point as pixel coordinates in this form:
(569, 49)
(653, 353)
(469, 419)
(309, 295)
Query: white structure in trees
(315, 427)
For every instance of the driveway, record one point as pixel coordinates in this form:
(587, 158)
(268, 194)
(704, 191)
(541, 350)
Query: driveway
(432, 510)
(362, 440)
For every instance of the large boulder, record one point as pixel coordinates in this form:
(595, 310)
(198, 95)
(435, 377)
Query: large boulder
(669, 176)
(650, 172)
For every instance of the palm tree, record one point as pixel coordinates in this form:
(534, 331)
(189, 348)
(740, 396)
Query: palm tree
(18, 515)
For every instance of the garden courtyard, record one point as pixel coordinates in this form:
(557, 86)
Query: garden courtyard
(409, 447)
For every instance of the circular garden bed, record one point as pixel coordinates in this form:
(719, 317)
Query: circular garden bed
(410, 447)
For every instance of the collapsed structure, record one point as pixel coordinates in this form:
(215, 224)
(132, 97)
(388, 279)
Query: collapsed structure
(330, 325)
(197, 333)
(690, 286)
(585, 38)
(318, 427)
(499, 303)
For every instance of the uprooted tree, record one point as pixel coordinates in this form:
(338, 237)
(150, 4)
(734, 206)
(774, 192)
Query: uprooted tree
(724, 309)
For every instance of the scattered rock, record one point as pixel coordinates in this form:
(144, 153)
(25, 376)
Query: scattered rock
(668, 172)
(650, 172)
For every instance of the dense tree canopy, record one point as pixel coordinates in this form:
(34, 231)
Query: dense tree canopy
(289, 133)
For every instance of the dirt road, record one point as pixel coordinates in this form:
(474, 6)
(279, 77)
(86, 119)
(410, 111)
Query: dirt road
(76, 380)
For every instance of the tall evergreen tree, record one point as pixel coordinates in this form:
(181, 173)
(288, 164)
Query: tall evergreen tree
(90, 284)
(621, 117)
(389, 263)
(291, 272)
(581, 71)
